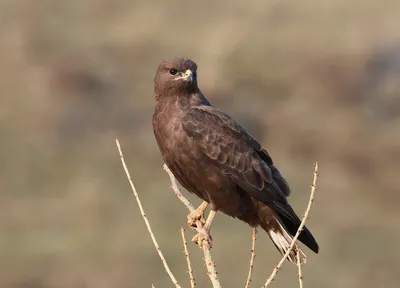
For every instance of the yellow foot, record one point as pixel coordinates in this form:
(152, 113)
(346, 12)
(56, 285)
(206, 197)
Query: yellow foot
(202, 236)
(195, 216)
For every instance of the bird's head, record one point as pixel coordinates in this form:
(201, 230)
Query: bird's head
(176, 76)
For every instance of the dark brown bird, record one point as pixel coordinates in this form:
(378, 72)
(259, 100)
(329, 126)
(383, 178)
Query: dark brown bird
(215, 158)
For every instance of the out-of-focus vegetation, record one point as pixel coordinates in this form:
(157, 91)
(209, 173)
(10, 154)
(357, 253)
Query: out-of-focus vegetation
(310, 79)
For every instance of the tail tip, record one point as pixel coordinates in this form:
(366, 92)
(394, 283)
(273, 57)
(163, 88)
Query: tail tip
(282, 241)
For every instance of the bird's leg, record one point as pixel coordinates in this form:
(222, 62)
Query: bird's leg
(197, 215)
(204, 232)
(209, 221)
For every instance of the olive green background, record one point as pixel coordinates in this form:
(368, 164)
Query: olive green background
(312, 80)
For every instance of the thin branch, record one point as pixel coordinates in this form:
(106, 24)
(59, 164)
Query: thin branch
(300, 275)
(210, 265)
(146, 221)
(178, 193)
(186, 250)
(305, 217)
(253, 255)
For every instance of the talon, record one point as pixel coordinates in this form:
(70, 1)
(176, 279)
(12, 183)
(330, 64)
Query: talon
(200, 237)
(195, 216)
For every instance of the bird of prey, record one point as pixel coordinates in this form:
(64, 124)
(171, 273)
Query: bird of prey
(215, 158)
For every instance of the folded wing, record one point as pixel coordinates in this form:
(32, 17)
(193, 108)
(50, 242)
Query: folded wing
(238, 154)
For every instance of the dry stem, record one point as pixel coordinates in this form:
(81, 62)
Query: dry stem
(305, 217)
(178, 193)
(253, 255)
(146, 221)
(186, 250)
(300, 275)
(210, 265)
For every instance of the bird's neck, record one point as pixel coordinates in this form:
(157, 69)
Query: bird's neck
(189, 100)
(182, 100)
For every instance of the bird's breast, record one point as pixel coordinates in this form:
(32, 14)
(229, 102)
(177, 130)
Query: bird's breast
(171, 138)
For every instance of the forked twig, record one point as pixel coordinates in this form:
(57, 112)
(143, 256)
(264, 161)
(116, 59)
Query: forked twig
(313, 189)
(146, 221)
(253, 255)
(210, 265)
(300, 275)
(186, 250)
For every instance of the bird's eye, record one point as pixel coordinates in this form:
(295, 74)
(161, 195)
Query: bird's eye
(173, 71)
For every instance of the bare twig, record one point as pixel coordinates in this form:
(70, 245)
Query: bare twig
(210, 265)
(300, 275)
(178, 193)
(146, 221)
(253, 255)
(190, 269)
(305, 217)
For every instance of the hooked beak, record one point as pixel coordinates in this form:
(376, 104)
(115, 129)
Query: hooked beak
(187, 76)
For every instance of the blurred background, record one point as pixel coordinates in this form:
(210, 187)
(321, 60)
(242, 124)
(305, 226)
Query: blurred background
(312, 80)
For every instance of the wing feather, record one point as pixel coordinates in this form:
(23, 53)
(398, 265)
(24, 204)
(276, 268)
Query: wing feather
(238, 154)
